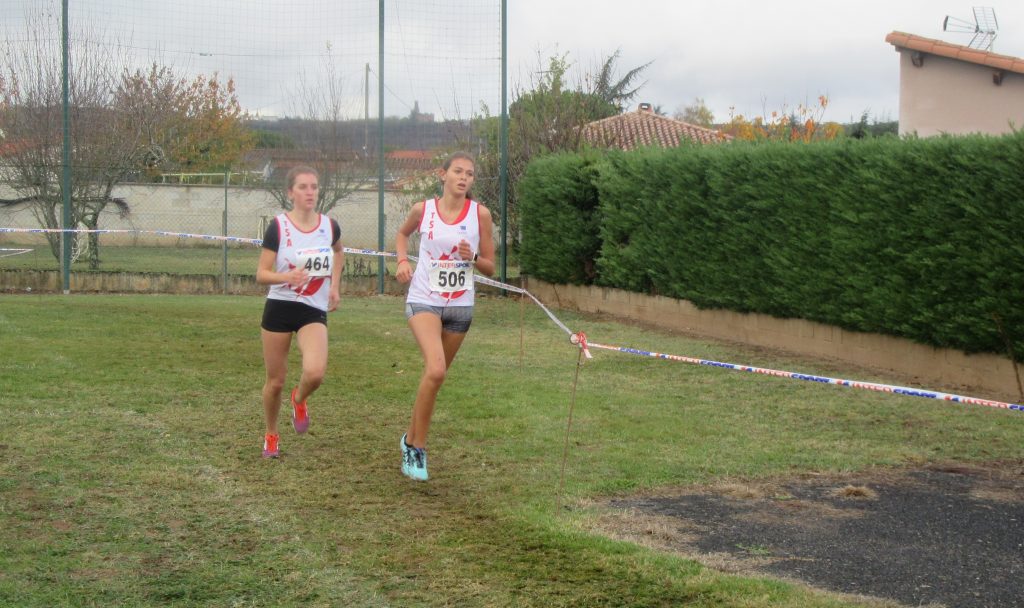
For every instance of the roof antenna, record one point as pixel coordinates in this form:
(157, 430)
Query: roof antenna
(984, 27)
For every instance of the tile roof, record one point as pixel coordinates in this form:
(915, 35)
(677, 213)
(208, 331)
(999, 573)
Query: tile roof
(10, 148)
(956, 51)
(286, 158)
(413, 160)
(413, 154)
(298, 155)
(642, 127)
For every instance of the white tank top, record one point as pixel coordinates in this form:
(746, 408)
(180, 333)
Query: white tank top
(309, 249)
(435, 282)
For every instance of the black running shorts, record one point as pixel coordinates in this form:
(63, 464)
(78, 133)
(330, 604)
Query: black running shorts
(286, 317)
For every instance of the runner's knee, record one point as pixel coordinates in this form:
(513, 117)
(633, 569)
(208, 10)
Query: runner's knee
(435, 374)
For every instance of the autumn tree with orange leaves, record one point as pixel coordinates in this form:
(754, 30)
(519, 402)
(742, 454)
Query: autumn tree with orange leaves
(211, 134)
(122, 122)
(194, 126)
(802, 125)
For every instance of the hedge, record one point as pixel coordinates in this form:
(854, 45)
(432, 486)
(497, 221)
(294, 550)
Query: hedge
(918, 238)
(559, 210)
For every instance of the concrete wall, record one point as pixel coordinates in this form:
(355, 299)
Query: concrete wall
(979, 375)
(199, 209)
(49, 281)
(946, 95)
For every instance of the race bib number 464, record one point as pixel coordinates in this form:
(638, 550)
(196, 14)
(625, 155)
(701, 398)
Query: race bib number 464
(450, 275)
(317, 262)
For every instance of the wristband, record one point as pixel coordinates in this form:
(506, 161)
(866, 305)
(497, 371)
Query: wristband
(406, 260)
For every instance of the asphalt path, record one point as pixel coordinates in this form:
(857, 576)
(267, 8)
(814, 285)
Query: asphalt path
(948, 534)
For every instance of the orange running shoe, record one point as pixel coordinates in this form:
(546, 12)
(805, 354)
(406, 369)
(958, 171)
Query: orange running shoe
(300, 417)
(270, 446)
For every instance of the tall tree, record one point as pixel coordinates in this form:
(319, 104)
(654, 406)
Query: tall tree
(190, 125)
(105, 144)
(547, 116)
(120, 122)
(616, 90)
(323, 141)
(208, 127)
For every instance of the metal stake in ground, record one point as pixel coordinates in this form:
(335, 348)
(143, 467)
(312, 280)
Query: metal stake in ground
(581, 340)
(522, 312)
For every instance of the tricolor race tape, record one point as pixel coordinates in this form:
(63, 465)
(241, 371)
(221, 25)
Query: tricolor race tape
(872, 386)
(178, 235)
(580, 339)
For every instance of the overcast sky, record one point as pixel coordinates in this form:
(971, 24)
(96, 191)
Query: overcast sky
(749, 57)
(750, 54)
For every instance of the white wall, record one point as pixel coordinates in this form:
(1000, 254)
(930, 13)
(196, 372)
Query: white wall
(946, 95)
(198, 209)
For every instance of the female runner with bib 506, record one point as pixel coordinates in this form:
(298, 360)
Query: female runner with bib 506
(301, 260)
(455, 241)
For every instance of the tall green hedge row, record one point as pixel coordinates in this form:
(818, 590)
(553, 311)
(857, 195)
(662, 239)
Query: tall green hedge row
(559, 212)
(919, 238)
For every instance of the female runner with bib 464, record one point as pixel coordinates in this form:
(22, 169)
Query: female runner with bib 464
(301, 260)
(455, 241)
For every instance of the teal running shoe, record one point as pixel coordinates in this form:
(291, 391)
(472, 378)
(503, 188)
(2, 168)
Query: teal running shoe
(408, 459)
(418, 464)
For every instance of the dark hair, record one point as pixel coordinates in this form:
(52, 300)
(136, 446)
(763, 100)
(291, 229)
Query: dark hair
(298, 170)
(455, 156)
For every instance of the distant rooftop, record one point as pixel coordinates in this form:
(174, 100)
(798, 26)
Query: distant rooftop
(643, 127)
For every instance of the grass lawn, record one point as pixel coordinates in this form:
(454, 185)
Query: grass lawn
(170, 260)
(130, 469)
(178, 260)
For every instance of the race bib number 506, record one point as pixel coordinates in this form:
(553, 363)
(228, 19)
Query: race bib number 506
(317, 262)
(450, 275)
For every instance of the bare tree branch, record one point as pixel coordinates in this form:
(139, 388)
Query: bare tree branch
(327, 147)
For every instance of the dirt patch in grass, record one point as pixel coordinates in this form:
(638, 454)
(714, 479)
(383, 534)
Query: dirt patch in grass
(949, 534)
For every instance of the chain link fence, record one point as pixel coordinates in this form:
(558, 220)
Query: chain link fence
(333, 84)
(179, 228)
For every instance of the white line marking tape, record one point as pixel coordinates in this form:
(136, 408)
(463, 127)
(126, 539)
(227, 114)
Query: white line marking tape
(7, 252)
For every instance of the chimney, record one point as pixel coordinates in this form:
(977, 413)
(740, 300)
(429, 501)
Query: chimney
(645, 107)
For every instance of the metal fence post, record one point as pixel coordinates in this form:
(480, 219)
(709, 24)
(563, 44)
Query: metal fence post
(380, 147)
(65, 175)
(224, 232)
(503, 139)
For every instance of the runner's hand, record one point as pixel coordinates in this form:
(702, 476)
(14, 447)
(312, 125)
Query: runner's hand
(404, 271)
(296, 277)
